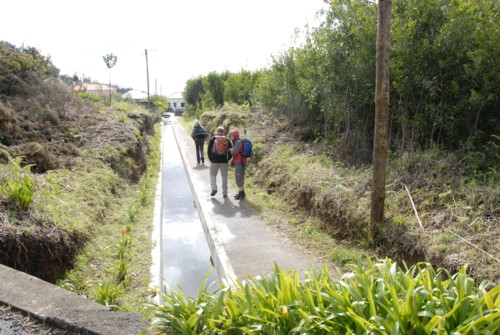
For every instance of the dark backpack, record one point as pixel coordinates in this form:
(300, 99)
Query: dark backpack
(200, 133)
(247, 147)
(220, 146)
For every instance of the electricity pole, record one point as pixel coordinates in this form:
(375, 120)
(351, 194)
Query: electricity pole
(147, 74)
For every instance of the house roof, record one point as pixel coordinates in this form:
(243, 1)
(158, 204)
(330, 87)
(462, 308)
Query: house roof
(176, 95)
(91, 87)
(135, 94)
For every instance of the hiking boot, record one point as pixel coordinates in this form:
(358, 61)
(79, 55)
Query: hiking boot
(213, 193)
(240, 196)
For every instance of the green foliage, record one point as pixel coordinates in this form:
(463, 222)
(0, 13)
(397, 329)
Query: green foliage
(107, 293)
(216, 90)
(89, 96)
(160, 103)
(122, 118)
(132, 212)
(124, 106)
(20, 193)
(19, 66)
(344, 256)
(16, 184)
(444, 82)
(214, 84)
(70, 136)
(122, 249)
(46, 115)
(228, 116)
(380, 298)
(193, 93)
(239, 87)
(442, 89)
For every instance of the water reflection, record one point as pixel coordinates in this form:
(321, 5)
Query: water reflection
(186, 256)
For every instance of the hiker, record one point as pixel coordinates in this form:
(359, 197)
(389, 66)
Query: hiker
(239, 163)
(219, 154)
(199, 135)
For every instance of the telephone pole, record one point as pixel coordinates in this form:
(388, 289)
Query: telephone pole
(147, 74)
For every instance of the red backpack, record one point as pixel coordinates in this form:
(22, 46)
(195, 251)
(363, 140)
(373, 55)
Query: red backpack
(220, 146)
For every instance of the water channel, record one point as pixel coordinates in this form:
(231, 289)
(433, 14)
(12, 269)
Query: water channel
(185, 252)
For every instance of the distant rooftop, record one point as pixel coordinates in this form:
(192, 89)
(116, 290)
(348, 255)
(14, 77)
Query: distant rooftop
(176, 95)
(136, 95)
(91, 87)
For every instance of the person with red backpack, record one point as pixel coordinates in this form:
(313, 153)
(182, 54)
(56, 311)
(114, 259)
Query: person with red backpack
(240, 163)
(219, 154)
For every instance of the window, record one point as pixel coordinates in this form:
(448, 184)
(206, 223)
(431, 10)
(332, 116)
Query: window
(175, 104)
(182, 105)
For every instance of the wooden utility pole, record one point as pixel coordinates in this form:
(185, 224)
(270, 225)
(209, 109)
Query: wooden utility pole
(381, 131)
(147, 74)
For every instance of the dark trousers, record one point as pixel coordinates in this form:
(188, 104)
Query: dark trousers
(199, 150)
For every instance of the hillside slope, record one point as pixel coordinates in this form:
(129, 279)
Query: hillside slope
(82, 156)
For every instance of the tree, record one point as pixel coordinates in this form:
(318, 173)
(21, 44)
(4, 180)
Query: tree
(381, 133)
(110, 61)
(239, 87)
(215, 87)
(193, 93)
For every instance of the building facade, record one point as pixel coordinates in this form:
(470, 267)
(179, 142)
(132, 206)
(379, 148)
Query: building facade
(176, 103)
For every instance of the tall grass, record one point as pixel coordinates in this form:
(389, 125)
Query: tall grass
(380, 298)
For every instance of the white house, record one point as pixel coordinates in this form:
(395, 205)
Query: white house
(176, 103)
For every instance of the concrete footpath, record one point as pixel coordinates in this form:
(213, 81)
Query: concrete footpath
(240, 243)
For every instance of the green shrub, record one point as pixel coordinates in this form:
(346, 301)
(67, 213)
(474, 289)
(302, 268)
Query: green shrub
(89, 96)
(379, 299)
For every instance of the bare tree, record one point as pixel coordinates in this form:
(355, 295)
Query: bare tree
(381, 132)
(110, 61)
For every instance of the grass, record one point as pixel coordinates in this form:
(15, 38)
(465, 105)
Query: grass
(104, 271)
(90, 204)
(142, 198)
(311, 185)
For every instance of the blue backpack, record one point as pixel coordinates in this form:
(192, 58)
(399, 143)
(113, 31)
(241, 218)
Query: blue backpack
(247, 147)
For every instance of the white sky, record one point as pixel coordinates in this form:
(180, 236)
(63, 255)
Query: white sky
(184, 38)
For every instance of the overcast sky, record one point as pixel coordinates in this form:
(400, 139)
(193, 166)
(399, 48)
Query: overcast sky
(184, 38)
